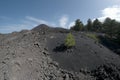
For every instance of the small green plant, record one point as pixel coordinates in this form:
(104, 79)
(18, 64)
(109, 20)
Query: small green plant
(93, 36)
(69, 41)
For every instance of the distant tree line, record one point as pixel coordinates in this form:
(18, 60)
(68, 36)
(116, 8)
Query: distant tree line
(109, 26)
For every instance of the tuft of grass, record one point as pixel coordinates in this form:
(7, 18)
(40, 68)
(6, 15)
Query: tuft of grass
(69, 41)
(93, 36)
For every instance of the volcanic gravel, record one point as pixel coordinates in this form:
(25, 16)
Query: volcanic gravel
(39, 54)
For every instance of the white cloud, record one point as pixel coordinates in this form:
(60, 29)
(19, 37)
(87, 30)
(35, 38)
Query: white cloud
(71, 24)
(111, 12)
(113, 1)
(29, 22)
(36, 21)
(40, 21)
(63, 21)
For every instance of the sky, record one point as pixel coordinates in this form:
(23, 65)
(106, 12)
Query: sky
(16, 15)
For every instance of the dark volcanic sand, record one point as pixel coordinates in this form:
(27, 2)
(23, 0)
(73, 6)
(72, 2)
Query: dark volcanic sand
(87, 54)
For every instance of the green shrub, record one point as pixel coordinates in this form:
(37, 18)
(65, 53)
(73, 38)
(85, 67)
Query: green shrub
(69, 41)
(93, 36)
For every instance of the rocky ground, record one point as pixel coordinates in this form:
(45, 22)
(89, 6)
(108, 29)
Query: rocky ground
(32, 55)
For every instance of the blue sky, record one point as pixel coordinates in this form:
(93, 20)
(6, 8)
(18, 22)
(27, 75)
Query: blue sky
(16, 15)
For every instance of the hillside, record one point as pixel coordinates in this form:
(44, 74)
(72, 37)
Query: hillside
(36, 55)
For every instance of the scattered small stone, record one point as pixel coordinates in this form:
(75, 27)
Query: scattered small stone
(66, 77)
(3, 62)
(46, 49)
(5, 76)
(54, 63)
(45, 53)
(95, 52)
(13, 54)
(30, 59)
(37, 44)
(100, 46)
(23, 53)
(51, 37)
(81, 36)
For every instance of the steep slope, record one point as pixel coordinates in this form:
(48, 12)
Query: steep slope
(87, 56)
(24, 56)
(37, 55)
